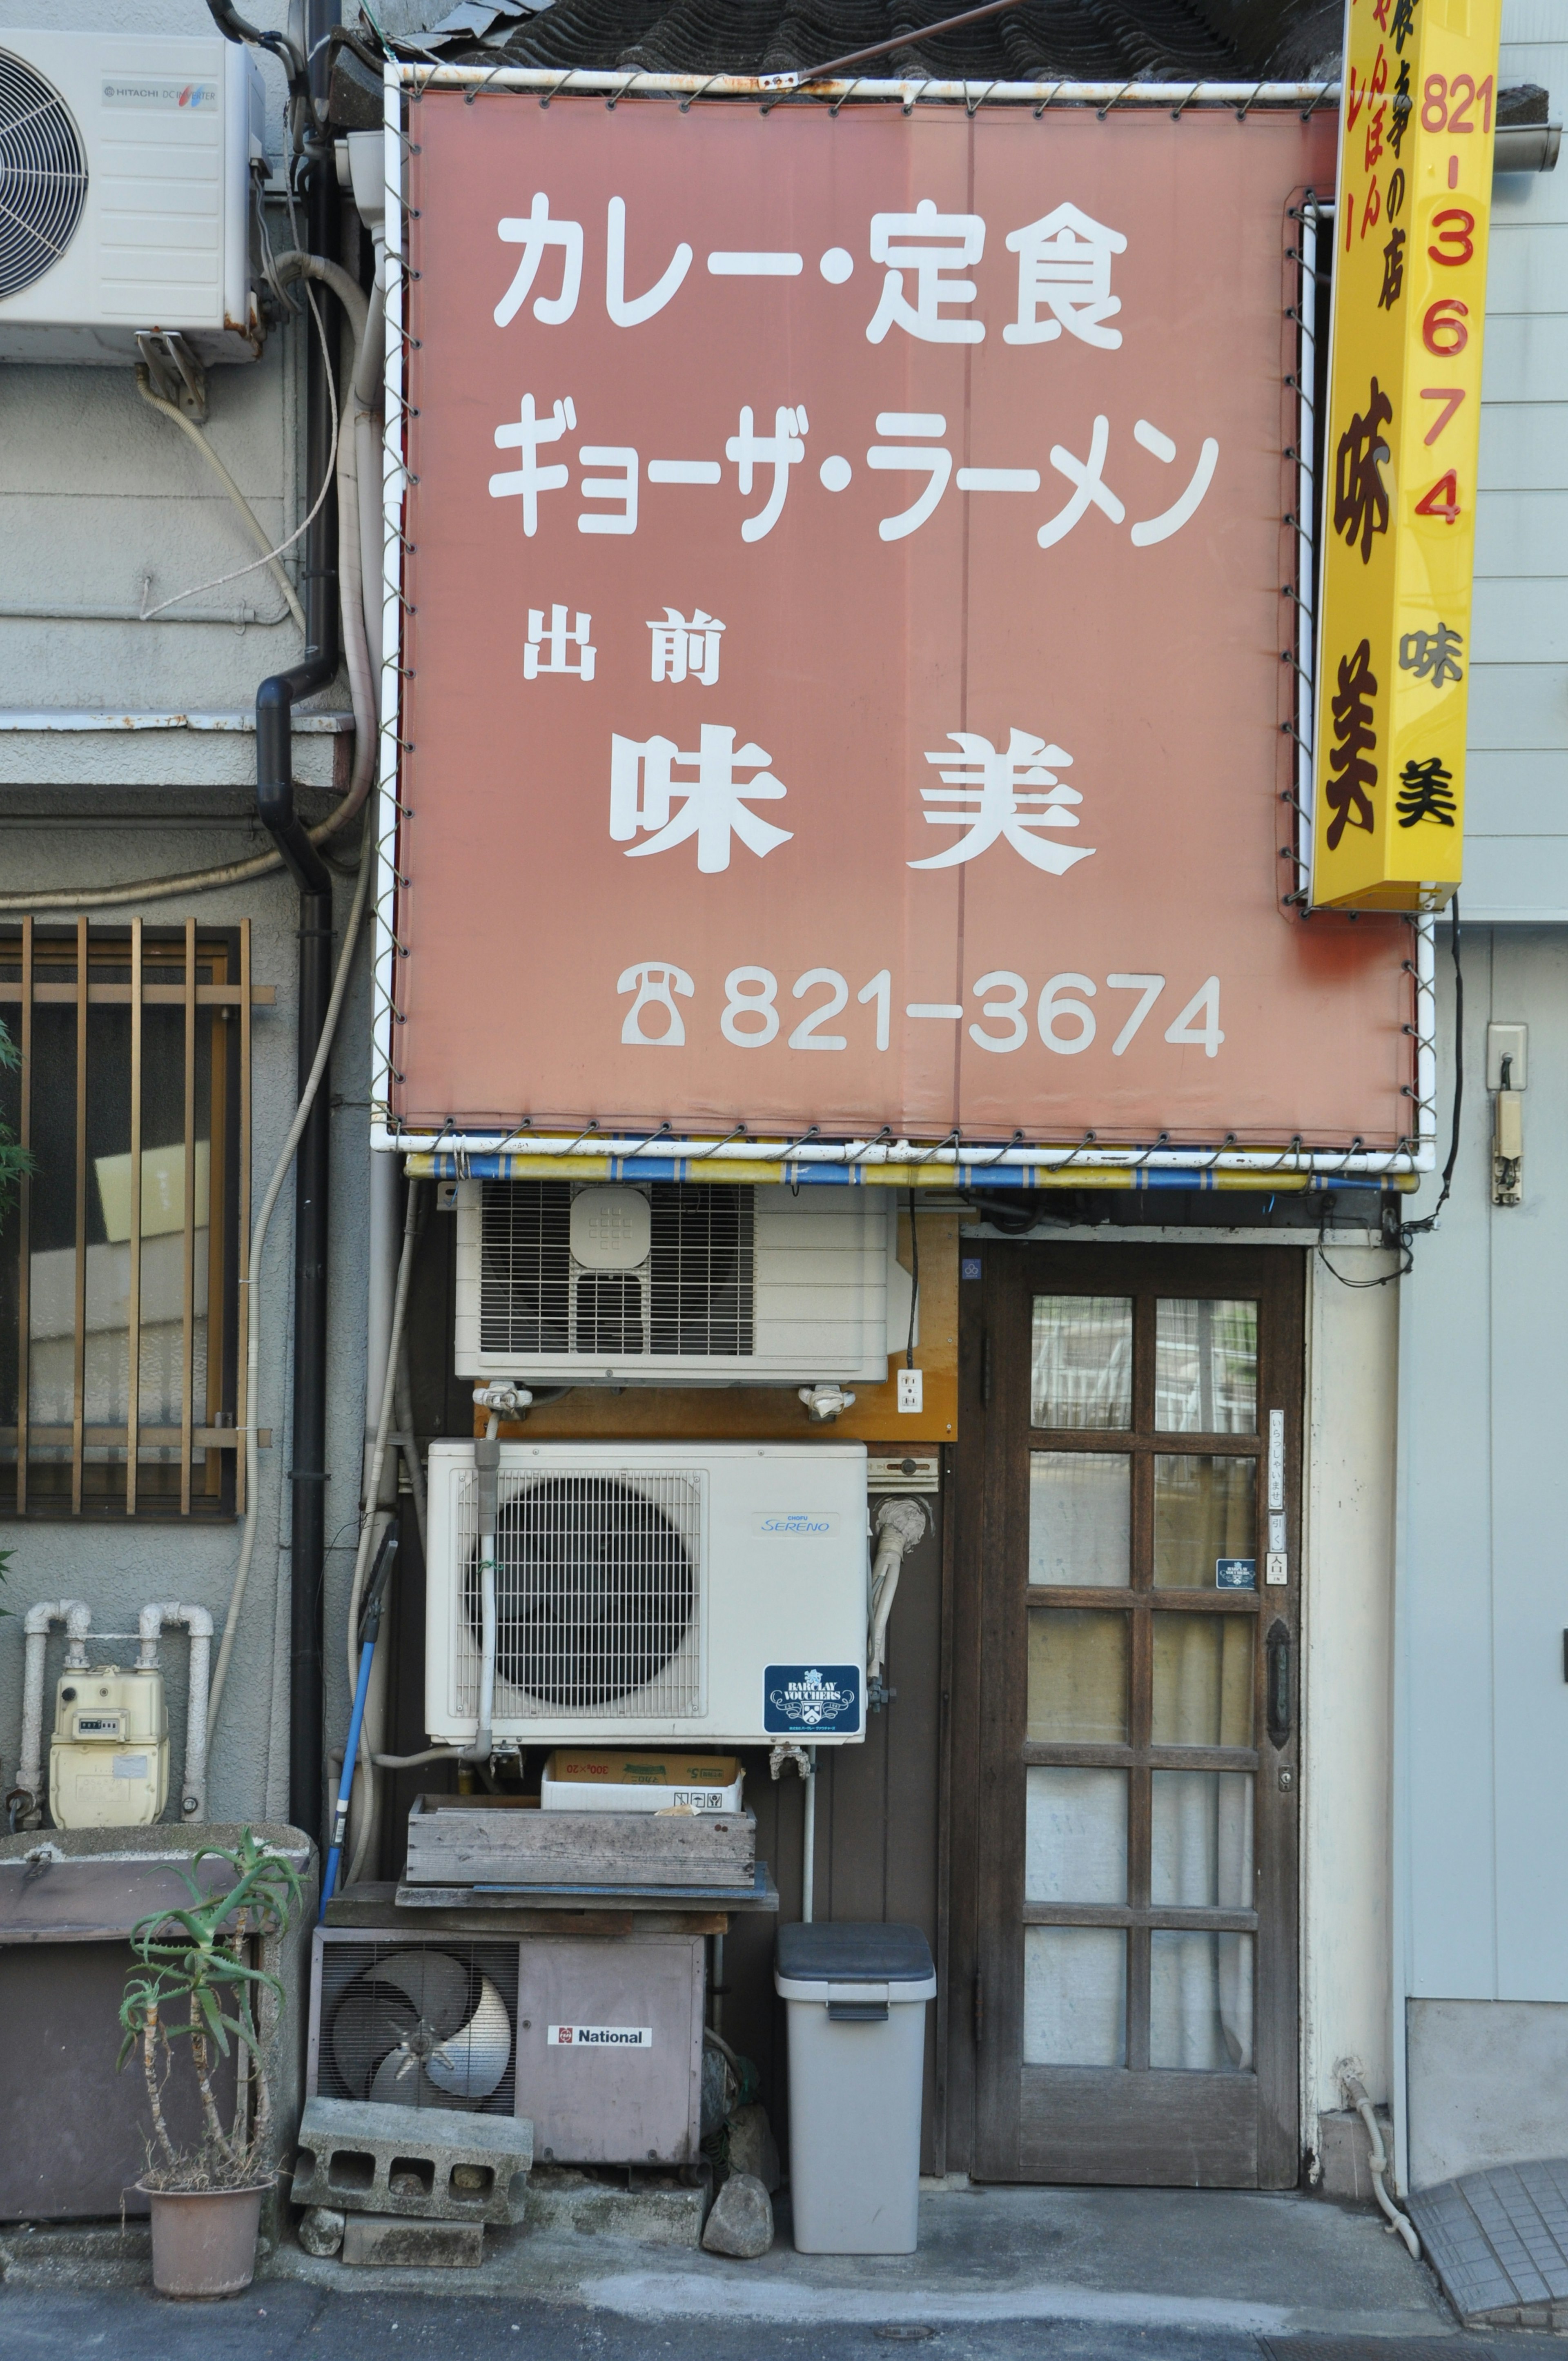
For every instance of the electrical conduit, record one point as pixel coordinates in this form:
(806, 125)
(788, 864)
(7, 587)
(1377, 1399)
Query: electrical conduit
(77, 1618)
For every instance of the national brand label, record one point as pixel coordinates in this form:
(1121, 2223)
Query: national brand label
(599, 2036)
(166, 94)
(817, 1700)
(794, 1524)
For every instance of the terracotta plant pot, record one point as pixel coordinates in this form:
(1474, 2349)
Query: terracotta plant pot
(203, 2241)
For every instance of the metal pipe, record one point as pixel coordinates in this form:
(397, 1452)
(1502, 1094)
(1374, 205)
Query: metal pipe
(199, 1623)
(275, 806)
(1103, 96)
(808, 1839)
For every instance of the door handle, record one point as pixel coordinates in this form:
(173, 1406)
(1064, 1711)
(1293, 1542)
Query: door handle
(1277, 1686)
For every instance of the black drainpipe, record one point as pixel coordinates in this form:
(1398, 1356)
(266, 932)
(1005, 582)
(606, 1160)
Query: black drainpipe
(275, 804)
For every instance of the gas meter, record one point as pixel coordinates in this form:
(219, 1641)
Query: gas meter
(108, 1759)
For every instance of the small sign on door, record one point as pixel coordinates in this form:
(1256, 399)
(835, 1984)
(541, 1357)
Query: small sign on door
(1236, 1574)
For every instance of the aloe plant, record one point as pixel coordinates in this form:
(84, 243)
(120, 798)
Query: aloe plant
(193, 1983)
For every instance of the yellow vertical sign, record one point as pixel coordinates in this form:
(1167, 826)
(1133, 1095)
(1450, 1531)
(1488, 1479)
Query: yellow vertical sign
(1398, 452)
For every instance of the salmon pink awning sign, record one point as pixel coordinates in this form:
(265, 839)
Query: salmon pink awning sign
(843, 629)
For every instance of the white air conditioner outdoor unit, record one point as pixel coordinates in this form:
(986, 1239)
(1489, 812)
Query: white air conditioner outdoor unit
(709, 1592)
(565, 1282)
(125, 194)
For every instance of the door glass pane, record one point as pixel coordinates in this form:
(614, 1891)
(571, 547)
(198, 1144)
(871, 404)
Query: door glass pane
(1200, 2013)
(1202, 1680)
(1075, 1844)
(1205, 1366)
(1081, 1359)
(1078, 1677)
(1205, 1523)
(1075, 1997)
(1080, 1516)
(1201, 1839)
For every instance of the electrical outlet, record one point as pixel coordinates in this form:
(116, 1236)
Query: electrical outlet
(911, 1389)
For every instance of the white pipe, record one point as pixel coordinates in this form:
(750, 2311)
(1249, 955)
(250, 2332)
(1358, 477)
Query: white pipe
(1378, 2162)
(77, 1618)
(199, 1623)
(808, 1840)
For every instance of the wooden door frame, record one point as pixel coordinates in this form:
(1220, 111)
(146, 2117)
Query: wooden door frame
(980, 2002)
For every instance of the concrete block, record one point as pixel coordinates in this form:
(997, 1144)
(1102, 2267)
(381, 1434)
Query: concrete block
(389, 2242)
(658, 2211)
(432, 2163)
(1344, 2151)
(1486, 2079)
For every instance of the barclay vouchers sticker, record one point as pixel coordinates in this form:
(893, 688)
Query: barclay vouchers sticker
(821, 1700)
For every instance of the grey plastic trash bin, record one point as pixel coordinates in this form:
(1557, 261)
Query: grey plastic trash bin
(856, 1997)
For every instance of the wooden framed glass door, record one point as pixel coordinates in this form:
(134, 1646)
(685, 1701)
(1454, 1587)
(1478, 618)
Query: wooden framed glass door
(1127, 1594)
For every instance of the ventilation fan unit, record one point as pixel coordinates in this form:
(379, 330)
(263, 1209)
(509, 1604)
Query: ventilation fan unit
(125, 194)
(715, 1594)
(411, 2024)
(604, 1282)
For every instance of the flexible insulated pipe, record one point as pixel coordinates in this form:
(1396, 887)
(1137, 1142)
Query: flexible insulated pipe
(258, 1240)
(900, 1525)
(1378, 2163)
(199, 1623)
(373, 1519)
(253, 523)
(77, 1618)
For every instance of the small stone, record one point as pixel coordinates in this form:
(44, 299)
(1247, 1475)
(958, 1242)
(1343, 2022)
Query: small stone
(742, 2222)
(752, 2147)
(406, 2184)
(471, 2176)
(321, 2231)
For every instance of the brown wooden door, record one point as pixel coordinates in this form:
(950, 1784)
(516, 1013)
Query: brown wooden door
(1127, 1695)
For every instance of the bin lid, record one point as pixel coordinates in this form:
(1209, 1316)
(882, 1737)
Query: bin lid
(853, 1952)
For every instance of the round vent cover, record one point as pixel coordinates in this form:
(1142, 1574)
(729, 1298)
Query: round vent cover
(595, 1591)
(43, 175)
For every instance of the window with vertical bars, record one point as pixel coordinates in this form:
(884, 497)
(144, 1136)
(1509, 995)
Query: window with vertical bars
(122, 1252)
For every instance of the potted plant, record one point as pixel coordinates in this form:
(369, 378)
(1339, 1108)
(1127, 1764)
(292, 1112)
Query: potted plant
(193, 1990)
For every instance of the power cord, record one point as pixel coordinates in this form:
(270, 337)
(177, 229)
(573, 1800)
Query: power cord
(1409, 1231)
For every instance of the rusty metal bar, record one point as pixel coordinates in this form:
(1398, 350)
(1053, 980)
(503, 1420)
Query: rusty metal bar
(154, 995)
(188, 1301)
(133, 1293)
(242, 1340)
(79, 1359)
(25, 1227)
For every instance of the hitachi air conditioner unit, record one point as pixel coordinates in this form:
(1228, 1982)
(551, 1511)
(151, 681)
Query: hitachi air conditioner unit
(125, 194)
(562, 1282)
(714, 1592)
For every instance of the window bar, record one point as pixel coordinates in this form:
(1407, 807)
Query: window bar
(132, 1389)
(188, 1305)
(24, 1228)
(242, 1348)
(79, 1364)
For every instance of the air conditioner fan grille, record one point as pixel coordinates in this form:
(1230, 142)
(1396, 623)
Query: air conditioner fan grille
(597, 1591)
(43, 175)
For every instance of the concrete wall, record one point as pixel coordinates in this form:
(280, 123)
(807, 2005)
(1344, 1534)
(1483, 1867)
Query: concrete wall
(98, 495)
(1347, 1612)
(1482, 1707)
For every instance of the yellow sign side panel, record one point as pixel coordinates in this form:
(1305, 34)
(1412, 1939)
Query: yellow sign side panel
(1400, 453)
